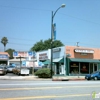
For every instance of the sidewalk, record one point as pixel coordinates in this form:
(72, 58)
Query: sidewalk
(31, 77)
(54, 78)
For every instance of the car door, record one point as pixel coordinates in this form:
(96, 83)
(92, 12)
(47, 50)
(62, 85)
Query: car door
(99, 75)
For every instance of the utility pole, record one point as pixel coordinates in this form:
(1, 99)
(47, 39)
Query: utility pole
(77, 44)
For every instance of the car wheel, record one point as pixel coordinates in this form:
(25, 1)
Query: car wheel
(95, 78)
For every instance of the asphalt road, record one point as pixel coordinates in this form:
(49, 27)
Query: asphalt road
(48, 90)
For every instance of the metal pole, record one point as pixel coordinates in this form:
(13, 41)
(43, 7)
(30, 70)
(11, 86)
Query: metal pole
(51, 41)
(52, 17)
(33, 66)
(20, 64)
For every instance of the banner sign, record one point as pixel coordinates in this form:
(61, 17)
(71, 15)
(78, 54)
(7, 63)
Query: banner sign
(54, 32)
(3, 56)
(83, 51)
(24, 54)
(43, 56)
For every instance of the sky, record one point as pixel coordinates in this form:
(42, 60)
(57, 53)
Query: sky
(26, 22)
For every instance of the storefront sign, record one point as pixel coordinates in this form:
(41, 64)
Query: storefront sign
(83, 51)
(43, 56)
(3, 56)
(57, 50)
(24, 54)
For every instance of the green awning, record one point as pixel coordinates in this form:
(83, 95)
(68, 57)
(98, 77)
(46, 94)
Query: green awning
(85, 60)
(60, 60)
(47, 62)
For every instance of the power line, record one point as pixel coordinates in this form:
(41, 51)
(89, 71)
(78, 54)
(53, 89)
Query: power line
(24, 8)
(20, 39)
(81, 19)
(86, 44)
(51, 10)
(20, 44)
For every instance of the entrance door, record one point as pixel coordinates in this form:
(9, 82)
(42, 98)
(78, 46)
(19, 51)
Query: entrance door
(57, 68)
(93, 68)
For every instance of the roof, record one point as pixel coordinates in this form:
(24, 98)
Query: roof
(17, 59)
(4, 53)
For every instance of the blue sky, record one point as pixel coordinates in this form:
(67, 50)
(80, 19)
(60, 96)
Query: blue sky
(25, 22)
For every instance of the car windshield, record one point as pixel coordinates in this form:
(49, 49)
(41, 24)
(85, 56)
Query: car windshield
(1, 67)
(10, 66)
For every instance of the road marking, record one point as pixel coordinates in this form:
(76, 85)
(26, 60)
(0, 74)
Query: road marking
(43, 88)
(54, 83)
(44, 97)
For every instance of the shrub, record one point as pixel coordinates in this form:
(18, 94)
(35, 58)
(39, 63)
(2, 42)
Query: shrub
(43, 73)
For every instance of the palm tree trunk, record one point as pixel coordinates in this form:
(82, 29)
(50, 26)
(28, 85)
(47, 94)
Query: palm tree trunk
(4, 48)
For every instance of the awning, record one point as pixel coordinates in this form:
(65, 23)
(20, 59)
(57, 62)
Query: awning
(61, 60)
(47, 62)
(84, 60)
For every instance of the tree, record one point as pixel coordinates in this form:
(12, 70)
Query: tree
(4, 41)
(44, 45)
(10, 52)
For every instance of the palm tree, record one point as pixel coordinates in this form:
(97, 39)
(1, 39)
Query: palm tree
(4, 41)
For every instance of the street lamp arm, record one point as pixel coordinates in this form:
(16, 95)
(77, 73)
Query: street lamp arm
(55, 12)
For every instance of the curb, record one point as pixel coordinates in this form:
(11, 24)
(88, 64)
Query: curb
(35, 78)
(68, 79)
(76, 79)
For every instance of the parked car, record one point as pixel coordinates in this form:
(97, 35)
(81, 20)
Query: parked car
(10, 68)
(16, 69)
(21, 70)
(24, 71)
(94, 76)
(3, 70)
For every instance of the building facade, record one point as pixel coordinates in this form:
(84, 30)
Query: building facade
(58, 60)
(82, 60)
(4, 58)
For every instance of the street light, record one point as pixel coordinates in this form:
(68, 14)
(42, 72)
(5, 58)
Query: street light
(52, 32)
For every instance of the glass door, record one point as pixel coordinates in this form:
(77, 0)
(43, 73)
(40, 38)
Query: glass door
(93, 67)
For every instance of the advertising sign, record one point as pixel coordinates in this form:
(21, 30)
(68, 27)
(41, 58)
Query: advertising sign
(23, 54)
(43, 56)
(3, 56)
(83, 51)
(23, 63)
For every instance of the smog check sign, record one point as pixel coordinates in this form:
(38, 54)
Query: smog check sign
(95, 96)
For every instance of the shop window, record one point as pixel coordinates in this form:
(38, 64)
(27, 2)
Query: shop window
(74, 68)
(84, 68)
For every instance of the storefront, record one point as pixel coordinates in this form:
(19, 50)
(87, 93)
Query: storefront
(4, 58)
(58, 61)
(58, 64)
(82, 60)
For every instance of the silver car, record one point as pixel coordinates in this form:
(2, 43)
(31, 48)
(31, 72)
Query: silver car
(3, 70)
(10, 68)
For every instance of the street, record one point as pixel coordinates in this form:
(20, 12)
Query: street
(47, 90)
